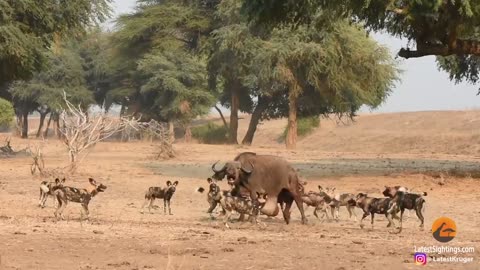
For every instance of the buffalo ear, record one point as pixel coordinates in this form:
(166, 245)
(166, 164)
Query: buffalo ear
(169, 183)
(175, 183)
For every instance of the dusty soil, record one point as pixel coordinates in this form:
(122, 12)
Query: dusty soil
(120, 237)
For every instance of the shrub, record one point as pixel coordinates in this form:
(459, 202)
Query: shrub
(305, 126)
(6, 114)
(210, 133)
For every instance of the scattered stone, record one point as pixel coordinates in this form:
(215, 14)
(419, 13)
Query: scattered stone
(358, 242)
(97, 232)
(227, 249)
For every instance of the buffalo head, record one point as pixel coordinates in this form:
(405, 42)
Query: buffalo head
(232, 170)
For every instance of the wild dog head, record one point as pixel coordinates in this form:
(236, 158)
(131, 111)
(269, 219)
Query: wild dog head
(358, 199)
(96, 187)
(392, 191)
(171, 188)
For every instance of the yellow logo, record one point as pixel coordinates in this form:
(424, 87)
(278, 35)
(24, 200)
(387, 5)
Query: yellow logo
(444, 229)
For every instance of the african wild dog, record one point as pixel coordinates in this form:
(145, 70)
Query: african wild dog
(165, 193)
(404, 200)
(47, 189)
(83, 196)
(241, 204)
(340, 199)
(319, 200)
(213, 197)
(372, 206)
(391, 191)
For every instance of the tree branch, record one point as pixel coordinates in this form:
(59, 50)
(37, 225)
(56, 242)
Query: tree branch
(459, 47)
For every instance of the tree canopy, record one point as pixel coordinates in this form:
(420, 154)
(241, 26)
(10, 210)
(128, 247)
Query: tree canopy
(28, 28)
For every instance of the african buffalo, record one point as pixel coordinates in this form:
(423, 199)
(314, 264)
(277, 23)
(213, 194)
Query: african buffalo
(264, 175)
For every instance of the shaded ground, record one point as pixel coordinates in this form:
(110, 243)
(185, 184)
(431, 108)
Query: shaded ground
(342, 167)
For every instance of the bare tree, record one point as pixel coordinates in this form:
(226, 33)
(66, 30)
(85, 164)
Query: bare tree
(81, 131)
(38, 164)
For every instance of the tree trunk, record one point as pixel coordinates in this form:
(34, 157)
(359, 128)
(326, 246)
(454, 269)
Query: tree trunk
(291, 140)
(171, 131)
(19, 124)
(234, 114)
(43, 115)
(255, 119)
(57, 126)
(223, 117)
(45, 133)
(188, 133)
(25, 124)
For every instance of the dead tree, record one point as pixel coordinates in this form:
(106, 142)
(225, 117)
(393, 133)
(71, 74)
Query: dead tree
(38, 164)
(81, 131)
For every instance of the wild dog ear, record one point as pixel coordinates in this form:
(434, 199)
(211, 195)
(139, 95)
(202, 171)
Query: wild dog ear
(63, 180)
(169, 183)
(175, 183)
(57, 180)
(209, 180)
(320, 187)
(92, 181)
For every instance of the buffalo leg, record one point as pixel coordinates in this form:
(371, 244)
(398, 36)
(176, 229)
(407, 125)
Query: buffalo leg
(286, 210)
(299, 202)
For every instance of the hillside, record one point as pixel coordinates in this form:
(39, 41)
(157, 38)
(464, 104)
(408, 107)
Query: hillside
(433, 132)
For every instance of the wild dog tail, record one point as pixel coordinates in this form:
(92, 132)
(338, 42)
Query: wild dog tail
(424, 193)
(200, 190)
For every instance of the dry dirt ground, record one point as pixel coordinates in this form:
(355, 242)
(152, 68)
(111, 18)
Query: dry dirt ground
(120, 237)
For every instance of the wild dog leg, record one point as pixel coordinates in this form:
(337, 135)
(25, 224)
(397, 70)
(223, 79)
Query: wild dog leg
(365, 214)
(373, 215)
(152, 200)
(169, 209)
(85, 211)
(144, 204)
(227, 218)
(418, 211)
(351, 210)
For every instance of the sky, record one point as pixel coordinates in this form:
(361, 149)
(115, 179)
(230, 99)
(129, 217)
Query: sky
(422, 87)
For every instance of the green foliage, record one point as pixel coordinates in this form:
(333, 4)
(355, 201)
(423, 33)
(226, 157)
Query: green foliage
(156, 54)
(6, 113)
(305, 126)
(64, 72)
(27, 27)
(210, 133)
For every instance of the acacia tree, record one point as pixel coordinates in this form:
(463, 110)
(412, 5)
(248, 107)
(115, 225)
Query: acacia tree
(346, 68)
(30, 26)
(442, 28)
(43, 93)
(162, 36)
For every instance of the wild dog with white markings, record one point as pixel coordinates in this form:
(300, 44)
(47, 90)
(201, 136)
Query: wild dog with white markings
(391, 191)
(165, 193)
(338, 200)
(83, 196)
(372, 206)
(214, 195)
(244, 205)
(403, 200)
(319, 200)
(47, 189)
